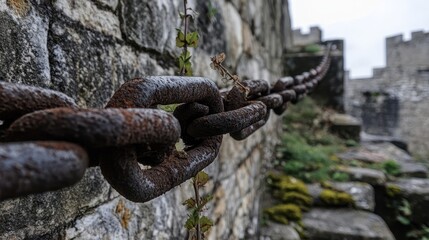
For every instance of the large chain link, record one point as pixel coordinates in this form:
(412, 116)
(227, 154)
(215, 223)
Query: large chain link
(49, 141)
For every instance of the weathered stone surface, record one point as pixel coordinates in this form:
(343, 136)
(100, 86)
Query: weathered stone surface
(345, 126)
(87, 14)
(366, 175)
(23, 50)
(211, 28)
(151, 24)
(89, 67)
(371, 139)
(39, 214)
(375, 153)
(109, 3)
(413, 170)
(339, 224)
(233, 34)
(362, 193)
(276, 231)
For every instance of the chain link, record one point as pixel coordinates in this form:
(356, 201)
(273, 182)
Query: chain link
(49, 141)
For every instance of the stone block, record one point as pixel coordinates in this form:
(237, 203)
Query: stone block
(24, 55)
(151, 24)
(362, 193)
(345, 126)
(338, 224)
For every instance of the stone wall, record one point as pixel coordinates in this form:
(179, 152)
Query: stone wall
(87, 49)
(405, 78)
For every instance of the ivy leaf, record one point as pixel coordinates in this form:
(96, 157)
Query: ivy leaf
(180, 39)
(201, 179)
(181, 63)
(403, 220)
(188, 68)
(182, 15)
(205, 223)
(190, 223)
(189, 203)
(192, 39)
(204, 200)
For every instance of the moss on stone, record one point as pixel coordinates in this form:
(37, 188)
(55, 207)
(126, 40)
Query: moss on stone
(287, 183)
(393, 190)
(304, 201)
(283, 213)
(336, 198)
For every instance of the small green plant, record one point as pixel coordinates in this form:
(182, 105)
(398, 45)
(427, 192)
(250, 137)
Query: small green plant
(389, 167)
(184, 40)
(404, 213)
(419, 234)
(211, 10)
(196, 224)
(312, 48)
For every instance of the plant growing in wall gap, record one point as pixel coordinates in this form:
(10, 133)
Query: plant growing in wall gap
(196, 224)
(184, 40)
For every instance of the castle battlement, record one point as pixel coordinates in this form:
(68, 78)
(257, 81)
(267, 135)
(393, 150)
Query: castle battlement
(302, 39)
(416, 36)
(411, 53)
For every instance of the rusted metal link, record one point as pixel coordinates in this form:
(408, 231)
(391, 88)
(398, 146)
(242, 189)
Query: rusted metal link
(33, 167)
(257, 88)
(274, 100)
(246, 132)
(98, 128)
(186, 113)
(122, 171)
(230, 121)
(300, 89)
(151, 91)
(17, 100)
(236, 99)
(283, 84)
(287, 96)
(120, 166)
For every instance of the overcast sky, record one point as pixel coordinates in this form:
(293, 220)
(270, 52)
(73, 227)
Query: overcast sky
(363, 24)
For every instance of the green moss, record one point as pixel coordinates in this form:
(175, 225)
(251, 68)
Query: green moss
(312, 48)
(283, 213)
(393, 190)
(336, 198)
(304, 201)
(287, 183)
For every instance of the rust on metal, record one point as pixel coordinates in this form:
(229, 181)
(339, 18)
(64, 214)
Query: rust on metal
(122, 171)
(273, 100)
(17, 100)
(298, 79)
(287, 96)
(97, 127)
(283, 84)
(257, 88)
(130, 132)
(150, 91)
(226, 122)
(120, 166)
(246, 132)
(33, 167)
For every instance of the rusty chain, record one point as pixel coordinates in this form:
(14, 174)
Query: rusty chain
(48, 141)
